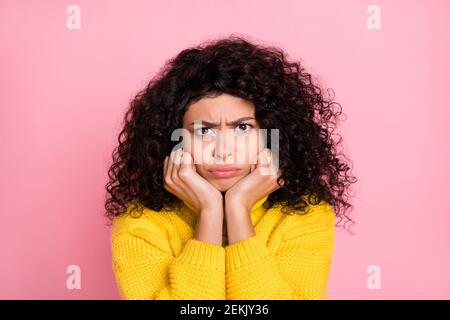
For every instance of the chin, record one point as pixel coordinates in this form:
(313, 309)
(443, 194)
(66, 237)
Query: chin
(221, 184)
(224, 184)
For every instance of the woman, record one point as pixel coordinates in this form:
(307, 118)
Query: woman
(227, 213)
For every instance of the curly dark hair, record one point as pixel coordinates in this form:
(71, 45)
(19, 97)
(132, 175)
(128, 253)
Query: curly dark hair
(285, 98)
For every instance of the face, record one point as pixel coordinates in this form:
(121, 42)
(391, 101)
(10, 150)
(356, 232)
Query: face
(222, 131)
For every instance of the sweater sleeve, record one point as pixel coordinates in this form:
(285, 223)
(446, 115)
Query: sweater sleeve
(298, 270)
(146, 268)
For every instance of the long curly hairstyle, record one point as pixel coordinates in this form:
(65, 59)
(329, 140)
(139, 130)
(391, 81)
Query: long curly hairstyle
(285, 98)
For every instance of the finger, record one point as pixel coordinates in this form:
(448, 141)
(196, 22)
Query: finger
(262, 159)
(266, 165)
(186, 158)
(186, 163)
(176, 165)
(191, 160)
(181, 158)
(183, 167)
(178, 186)
(168, 169)
(272, 164)
(172, 158)
(177, 157)
(267, 157)
(170, 164)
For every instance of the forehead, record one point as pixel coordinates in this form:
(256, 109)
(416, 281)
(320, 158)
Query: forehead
(221, 108)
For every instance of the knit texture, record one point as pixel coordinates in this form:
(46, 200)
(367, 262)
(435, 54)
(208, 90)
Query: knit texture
(155, 256)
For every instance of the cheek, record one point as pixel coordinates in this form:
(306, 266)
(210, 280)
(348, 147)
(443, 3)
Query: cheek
(193, 148)
(250, 149)
(200, 153)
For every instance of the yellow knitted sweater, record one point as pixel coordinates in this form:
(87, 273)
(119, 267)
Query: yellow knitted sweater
(156, 256)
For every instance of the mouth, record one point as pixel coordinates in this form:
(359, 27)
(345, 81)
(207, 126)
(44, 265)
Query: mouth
(225, 172)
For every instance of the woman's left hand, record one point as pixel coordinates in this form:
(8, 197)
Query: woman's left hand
(261, 181)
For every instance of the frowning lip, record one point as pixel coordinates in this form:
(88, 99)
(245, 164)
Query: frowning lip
(224, 171)
(224, 168)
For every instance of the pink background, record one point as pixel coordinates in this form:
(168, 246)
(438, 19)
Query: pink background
(63, 93)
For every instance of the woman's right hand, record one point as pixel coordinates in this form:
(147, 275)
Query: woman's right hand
(182, 180)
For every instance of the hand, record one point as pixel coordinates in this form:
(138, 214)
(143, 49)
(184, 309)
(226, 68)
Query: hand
(261, 181)
(182, 180)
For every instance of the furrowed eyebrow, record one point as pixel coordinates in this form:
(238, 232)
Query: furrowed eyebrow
(235, 122)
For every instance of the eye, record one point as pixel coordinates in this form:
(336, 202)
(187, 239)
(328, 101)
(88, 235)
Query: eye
(201, 131)
(245, 125)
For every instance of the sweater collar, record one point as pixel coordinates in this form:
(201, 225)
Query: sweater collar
(255, 209)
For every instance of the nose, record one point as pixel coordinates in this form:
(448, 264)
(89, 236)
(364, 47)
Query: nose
(224, 145)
